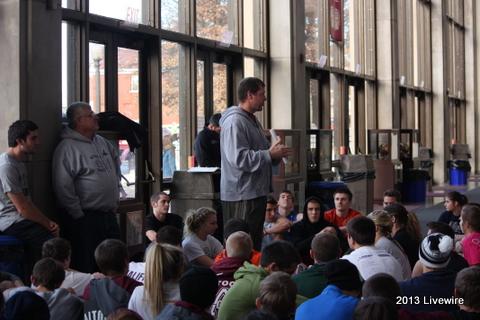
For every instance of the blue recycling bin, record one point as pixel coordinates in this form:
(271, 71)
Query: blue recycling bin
(459, 171)
(414, 186)
(458, 177)
(324, 191)
(11, 255)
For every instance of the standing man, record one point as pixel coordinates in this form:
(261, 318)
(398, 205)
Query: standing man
(86, 178)
(207, 144)
(247, 158)
(19, 217)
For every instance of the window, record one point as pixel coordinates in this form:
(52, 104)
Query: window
(174, 123)
(130, 11)
(254, 24)
(217, 20)
(316, 35)
(96, 71)
(174, 15)
(70, 64)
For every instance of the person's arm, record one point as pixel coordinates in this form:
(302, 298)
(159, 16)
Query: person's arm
(30, 212)
(281, 225)
(151, 235)
(64, 172)
(200, 149)
(204, 261)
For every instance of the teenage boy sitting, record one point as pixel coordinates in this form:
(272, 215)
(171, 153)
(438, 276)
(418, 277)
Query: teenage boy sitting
(160, 217)
(240, 299)
(60, 250)
(103, 296)
(47, 276)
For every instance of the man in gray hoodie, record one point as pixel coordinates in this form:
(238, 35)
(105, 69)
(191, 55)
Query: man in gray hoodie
(86, 178)
(247, 159)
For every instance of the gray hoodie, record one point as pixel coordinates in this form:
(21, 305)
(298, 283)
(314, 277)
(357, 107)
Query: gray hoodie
(63, 304)
(86, 174)
(246, 162)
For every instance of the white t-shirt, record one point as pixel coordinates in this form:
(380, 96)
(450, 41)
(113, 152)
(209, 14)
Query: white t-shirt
(136, 271)
(194, 247)
(389, 246)
(76, 280)
(371, 261)
(139, 303)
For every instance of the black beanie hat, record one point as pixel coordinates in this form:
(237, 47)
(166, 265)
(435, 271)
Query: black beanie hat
(343, 274)
(199, 286)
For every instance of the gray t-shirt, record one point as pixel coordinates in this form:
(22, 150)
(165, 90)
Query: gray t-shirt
(13, 178)
(194, 247)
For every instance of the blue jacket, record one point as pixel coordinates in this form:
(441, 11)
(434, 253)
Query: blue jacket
(331, 304)
(246, 161)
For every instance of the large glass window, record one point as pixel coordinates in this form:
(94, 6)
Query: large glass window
(217, 20)
(253, 24)
(316, 35)
(131, 11)
(174, 15)
(70, 64)
(220, 82)
(96, 71)
(174, 122)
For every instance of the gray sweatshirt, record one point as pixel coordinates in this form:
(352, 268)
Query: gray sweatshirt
(63, 304)
(246, 162)
(86, 174)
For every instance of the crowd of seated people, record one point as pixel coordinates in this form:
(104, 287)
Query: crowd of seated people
(354, 266)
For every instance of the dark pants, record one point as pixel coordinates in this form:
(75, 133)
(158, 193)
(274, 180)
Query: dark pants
(252, 211)
(33, 236)
(86, 233)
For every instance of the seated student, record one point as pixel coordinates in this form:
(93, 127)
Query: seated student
(164, 265)
(25, 305)
(275, 225)
(160, 217)
(239, 248)
(385, 286)
(60, 250)
(368, 259)
(377, 308)
(405, 231)
(285, 206)
(339, 299)
(277, 295)
(234, 225)
(457, 262)
(47, 276)
(311, 282)
(383, 228)
(342, 213)
(454, 202)
(259, 315)
(165, 235)
(436, 281)
(103, 296)
(199, 246)
(391, 196)
(470, 223)
(198, 287)
(240, 299)
(467, 286)
(124, 314)
(312, 223)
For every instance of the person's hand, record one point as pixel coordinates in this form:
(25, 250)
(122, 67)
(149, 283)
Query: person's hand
(330, 230)
(54, 228)
(279, 151)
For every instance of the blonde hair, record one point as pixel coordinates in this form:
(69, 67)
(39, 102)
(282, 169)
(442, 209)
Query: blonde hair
(382, 220)
(163, 262)
(196, 218)
(239, 245)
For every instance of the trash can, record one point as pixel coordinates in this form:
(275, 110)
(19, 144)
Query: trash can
(11, 255)
(414, 186)
(324, 191)
(459, 171)
(358, 173)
